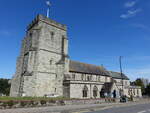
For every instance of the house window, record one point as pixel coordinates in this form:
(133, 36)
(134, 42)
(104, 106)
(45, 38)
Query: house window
(85, 91)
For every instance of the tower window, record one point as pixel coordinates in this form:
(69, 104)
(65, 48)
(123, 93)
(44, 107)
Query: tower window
(30, 34)
(51, 61)
(56, 76)
(52, 36)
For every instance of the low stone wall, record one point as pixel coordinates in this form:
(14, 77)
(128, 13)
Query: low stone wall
(39, 103)
(89, 101)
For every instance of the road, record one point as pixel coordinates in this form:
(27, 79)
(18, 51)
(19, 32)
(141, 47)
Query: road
(135, 107)
(141, 108)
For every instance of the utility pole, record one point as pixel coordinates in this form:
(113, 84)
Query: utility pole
(120, 61)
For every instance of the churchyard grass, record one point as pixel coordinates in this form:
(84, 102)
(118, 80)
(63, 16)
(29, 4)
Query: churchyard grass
(7, 98)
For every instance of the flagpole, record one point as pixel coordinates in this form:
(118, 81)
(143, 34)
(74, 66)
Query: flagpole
(48, 9)
(48, 12)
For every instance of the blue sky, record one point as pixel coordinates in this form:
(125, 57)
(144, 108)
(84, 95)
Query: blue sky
(99, 32)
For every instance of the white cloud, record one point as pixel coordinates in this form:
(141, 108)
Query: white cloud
(130, 13)
(130, 4)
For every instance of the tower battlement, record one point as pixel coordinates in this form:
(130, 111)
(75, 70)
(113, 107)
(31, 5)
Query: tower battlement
(47, 21)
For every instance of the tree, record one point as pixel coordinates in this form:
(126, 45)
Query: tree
(139, 82)
(147, 90)
(4, 86)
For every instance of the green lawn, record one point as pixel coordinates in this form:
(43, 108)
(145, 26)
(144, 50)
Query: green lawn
(32, 98)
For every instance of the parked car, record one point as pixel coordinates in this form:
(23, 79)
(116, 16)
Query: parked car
(123, 99)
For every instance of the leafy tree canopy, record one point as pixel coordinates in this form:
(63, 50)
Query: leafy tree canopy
(4, 86)
(147, 90)
(139, 82)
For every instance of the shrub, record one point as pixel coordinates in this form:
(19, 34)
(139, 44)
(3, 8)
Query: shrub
(10, 103)
(52, 101)
(23, 103)
(31, 103)
(61, 102)
(43, 102)
(4, 104)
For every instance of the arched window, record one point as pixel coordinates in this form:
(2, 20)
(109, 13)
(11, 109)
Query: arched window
(85, 91)
(95, 90)
(102, 93)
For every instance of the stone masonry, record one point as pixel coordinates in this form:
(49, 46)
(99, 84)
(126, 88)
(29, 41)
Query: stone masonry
(43, 59)
(44, 68)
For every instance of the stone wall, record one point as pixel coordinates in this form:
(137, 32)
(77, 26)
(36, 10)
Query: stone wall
(43, 59)
(42, 103)
(79, 86)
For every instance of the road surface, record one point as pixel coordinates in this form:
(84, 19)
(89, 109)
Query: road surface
(141, 108)
(135, 107)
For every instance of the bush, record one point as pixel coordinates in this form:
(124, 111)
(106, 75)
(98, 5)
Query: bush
(61, 102)
(23, 103)
(43, 102)
(10, 103)
(4, 104)
(52, 101)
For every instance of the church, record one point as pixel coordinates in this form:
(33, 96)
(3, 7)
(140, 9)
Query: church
(44, 68)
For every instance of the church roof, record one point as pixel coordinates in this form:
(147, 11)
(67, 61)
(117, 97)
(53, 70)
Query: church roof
(87, 68)
(117, 75)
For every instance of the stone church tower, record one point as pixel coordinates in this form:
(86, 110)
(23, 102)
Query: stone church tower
(43, 60)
